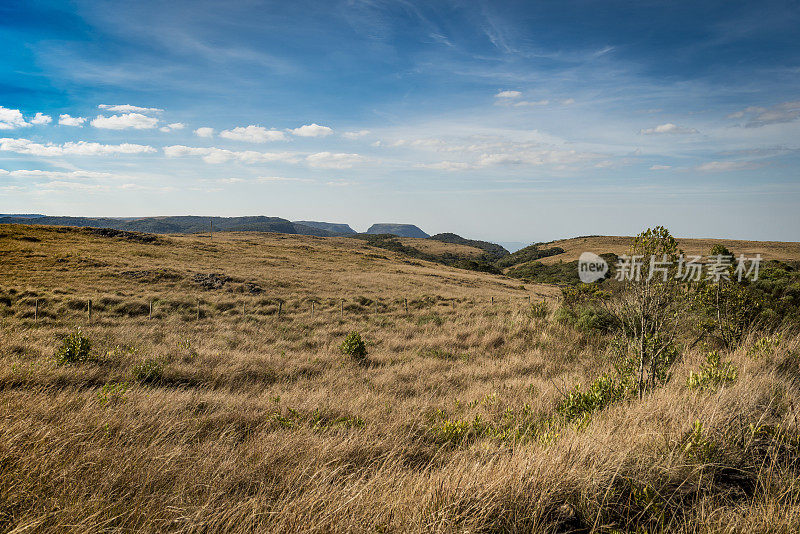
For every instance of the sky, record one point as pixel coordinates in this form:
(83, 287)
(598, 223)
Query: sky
(505, 121)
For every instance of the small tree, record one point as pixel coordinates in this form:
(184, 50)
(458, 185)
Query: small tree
(354, 346)
(647, 309)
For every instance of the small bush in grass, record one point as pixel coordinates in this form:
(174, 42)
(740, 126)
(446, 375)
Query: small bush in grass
(148, 371)
(354, 346)
(75, 348)
(539, 310)
(602, 392)
(713, 373)
(112, 393)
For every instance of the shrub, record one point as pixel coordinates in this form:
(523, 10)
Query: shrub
(148, 371)
(713, 373)
(539, 310)
(602, 392)
(74, 348)
(354, 346)
(112, 393)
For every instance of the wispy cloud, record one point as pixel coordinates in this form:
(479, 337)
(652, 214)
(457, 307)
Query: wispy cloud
(127, 108)
(760, 116)
(81, 148)
(668, 128)
(221, 155)
(55, 174)
(508, 94)
(282, 179)
(172, 127)
(329, 160)
(355, 135)
(727, 166)
(523, 103)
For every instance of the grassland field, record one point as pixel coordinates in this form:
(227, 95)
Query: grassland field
(242, 420)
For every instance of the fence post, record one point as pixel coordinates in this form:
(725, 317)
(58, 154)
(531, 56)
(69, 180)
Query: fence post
(492, 301)
(198, 309)
(36, 311)
(405, 302)
(280, 306)
(312, 310)
(244, 309)
(150, 313)
(89, 309)
(341, 310)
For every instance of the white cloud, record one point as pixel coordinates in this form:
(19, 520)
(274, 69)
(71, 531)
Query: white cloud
(81, 148)
(55, 174)
(78, 186)
(758, 116)
(41, 119)
(340, 183)
(660, 167)
(253, 134)
(205, 131)
(221, 155)
(508, 94)
(281, 179)
(312, 130)
(127, 108)
(605, 164)
(329, 160)
(725, 166)
(568, 101)
(446, 166)
(67, 120)
(11, 118)
(667, 128)
(355, 135)
(137, 121)
(232, 180)
(531, 104)
(173, 126)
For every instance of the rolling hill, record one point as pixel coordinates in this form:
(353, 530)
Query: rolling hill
(400, 230)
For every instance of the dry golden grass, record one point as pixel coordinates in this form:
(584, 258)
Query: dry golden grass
(259, 423)
(438, 248)
(769, 250)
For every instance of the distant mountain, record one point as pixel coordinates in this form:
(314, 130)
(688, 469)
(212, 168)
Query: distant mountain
(179, 224)
(513, 246)
(336, 228)
(400, 230)
(22, 215)
(494, 251)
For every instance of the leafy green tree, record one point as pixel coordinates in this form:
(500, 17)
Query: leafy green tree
(648, 308)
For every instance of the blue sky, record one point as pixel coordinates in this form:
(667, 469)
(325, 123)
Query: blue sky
(508, 121)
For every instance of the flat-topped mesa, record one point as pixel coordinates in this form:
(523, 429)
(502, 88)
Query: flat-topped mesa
(336, 228)
(400, 230)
